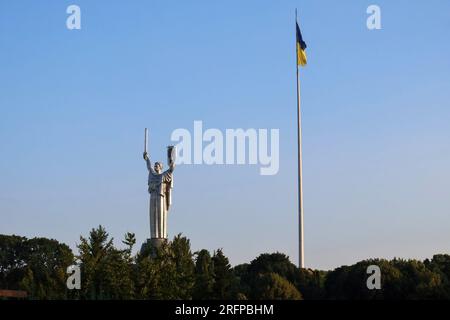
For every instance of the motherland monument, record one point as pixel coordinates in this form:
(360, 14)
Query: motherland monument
(160, 185)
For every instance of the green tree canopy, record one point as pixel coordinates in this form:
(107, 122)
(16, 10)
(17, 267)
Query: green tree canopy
(37, 266)
(167, 272)
(171, 271)
(272, 286)
(224, 281)
(106, 271)
(204, 275)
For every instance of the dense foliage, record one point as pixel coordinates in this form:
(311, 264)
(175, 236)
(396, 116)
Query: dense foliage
(173, 271)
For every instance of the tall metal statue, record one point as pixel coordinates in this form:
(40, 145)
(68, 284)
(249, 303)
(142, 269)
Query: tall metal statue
(160, 184)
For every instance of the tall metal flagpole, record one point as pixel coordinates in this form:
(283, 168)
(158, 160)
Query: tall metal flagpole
(301, 257)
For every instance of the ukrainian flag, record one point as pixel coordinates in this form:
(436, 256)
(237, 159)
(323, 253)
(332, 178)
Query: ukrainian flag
(301, 46)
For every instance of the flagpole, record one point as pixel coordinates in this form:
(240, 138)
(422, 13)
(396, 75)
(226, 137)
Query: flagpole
(301, 257)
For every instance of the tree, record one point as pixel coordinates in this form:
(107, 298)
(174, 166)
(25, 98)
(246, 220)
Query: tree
(106, 271)
(440, 264)
(47, 260)
(37, 266)
(224, 281)
(275, 262)
(148, 277)
(309, 282)
(400, 279)
(129, 241)
(240, 273)
(12, 261)
(272, 286)
(181, 254)
(417, 281)
(350, 282)
(170, 272)
(167, 272)
(204, 276)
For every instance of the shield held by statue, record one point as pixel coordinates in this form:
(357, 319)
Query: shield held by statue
(171, 152)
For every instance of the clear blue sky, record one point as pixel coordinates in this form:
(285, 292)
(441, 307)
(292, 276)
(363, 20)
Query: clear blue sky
(376, 112)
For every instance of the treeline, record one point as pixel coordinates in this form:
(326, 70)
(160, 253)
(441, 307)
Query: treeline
(39, 266)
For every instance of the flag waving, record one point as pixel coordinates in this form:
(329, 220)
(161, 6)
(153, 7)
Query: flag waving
(301, 61)
(301, 46)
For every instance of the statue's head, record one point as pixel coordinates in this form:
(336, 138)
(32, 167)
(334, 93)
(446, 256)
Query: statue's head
(158, 167)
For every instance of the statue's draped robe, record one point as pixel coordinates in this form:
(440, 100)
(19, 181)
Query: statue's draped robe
(159, 187)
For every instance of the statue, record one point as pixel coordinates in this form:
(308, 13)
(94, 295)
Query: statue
(160, 184)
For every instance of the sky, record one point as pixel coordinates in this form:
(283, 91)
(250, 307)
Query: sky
(375, 107)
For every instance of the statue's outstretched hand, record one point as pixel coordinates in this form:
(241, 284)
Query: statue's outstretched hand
(145, 156)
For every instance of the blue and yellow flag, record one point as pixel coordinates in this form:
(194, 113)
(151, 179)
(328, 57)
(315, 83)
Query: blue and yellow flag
(301, 46)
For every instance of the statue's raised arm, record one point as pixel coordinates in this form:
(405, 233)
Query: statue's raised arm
(149, 164)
